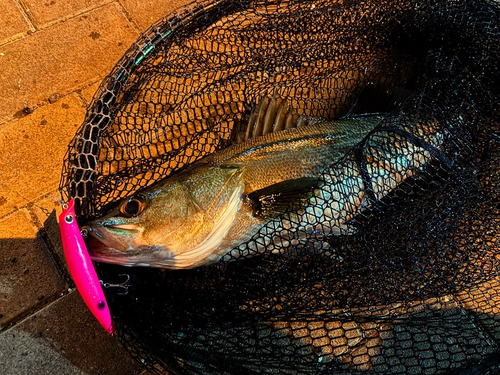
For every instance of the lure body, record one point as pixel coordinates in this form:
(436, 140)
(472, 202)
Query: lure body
(81, 268)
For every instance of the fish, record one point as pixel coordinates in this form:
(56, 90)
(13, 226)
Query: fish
(287, 181)
(197, 216)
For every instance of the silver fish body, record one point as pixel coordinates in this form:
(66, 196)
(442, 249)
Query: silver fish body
(199, 215)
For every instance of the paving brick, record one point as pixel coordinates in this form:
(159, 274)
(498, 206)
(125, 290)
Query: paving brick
(71, 330)
(21, 353)
(144, 13)
(62, 58)
(87, 93)
(13, 24)
(28, 275)
(47, 211)
(33, 149)
(44, 12)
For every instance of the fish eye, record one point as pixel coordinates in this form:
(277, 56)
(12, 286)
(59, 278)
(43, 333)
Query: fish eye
(133, 206)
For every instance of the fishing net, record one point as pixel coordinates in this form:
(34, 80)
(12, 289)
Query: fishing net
(410, 284)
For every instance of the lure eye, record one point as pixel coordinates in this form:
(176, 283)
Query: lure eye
(133, 206)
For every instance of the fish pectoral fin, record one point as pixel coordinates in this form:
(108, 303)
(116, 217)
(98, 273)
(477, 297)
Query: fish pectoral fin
(273, 200)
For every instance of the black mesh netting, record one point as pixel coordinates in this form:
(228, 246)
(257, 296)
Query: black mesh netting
(413, 285)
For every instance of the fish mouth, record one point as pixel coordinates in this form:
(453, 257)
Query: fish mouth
(121, 237)
(105, 249)
(100, 252)
(103, 242)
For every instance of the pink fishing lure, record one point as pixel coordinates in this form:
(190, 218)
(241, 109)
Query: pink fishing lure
(81, 268)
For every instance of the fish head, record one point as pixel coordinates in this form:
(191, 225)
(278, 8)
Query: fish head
(136, 231)
(172, 225)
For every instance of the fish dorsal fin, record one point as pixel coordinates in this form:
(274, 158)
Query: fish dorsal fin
(273, 200)
(270, 115)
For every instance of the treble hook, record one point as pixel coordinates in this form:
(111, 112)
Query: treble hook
(123, 285)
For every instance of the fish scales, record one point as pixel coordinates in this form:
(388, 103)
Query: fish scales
(287, 155)
(234, 202)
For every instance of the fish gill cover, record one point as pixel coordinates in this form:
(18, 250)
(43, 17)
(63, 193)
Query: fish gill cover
(410, 282)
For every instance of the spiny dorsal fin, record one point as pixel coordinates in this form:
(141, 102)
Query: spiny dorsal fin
(271, 115)
(273, 200)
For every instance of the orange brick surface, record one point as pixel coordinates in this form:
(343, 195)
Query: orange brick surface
(58, 59)
(45, 12)
(53, 55)
(88, 93)
(144, 13)
(36, 145)
(13, 24)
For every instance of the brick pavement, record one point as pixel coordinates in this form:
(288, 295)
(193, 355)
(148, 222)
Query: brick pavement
(53, 54)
